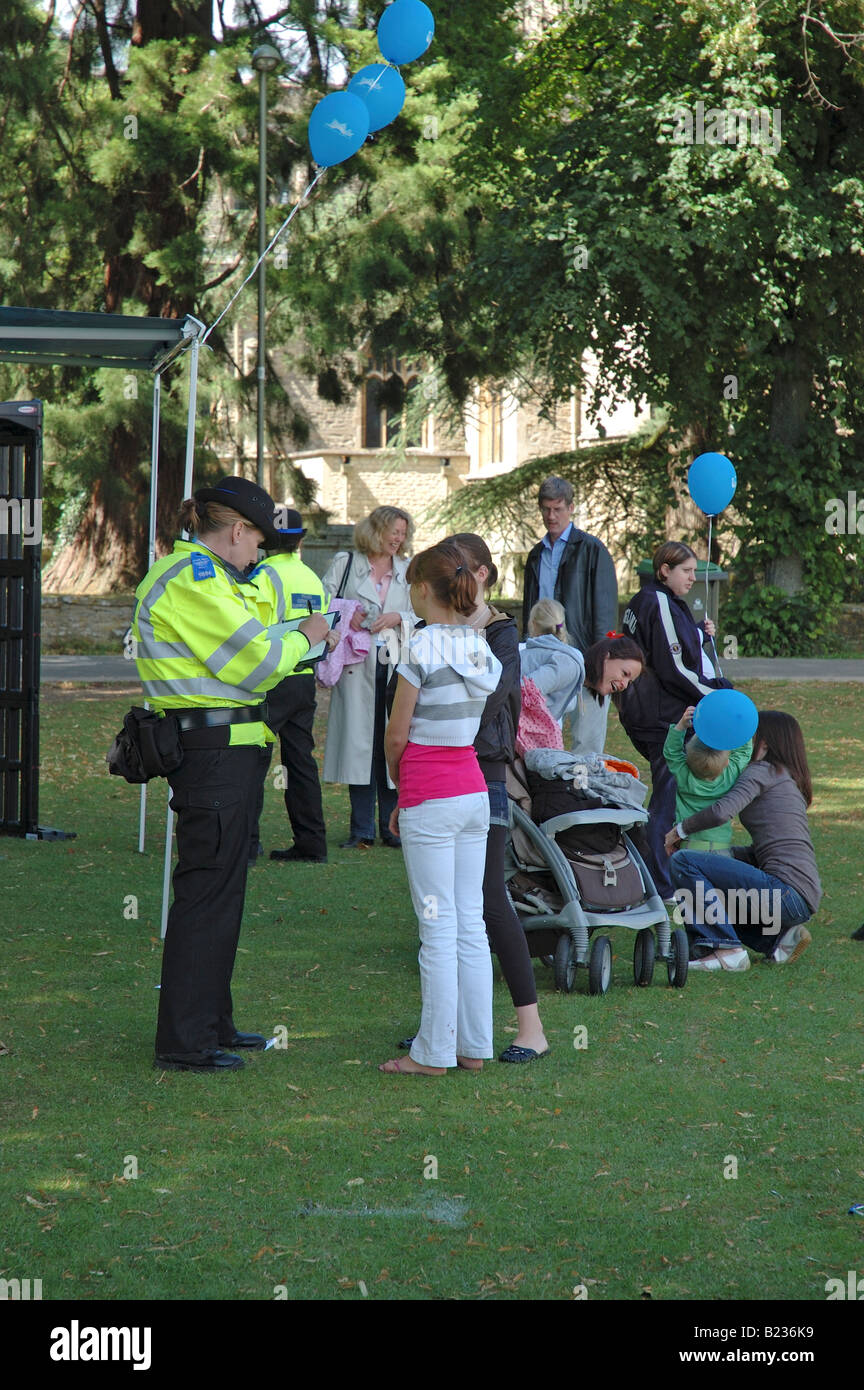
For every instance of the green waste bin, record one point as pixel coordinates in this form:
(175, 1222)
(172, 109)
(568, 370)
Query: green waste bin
(696, 599)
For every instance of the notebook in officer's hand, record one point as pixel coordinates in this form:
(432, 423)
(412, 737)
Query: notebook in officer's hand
(315, 653)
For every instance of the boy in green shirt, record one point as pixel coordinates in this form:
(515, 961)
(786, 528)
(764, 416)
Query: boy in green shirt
(703, 775)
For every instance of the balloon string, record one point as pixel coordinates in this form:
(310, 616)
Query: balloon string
(303, 196)
(708, 597)
(267, 251)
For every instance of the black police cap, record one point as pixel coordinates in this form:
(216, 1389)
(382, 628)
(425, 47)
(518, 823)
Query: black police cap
(249, 500)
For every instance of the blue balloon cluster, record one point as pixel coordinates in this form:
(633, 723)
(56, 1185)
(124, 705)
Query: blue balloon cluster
(341, 121)
(712, 480)
(725, 719)
(381, 90)
(405, 31)
(337, 128)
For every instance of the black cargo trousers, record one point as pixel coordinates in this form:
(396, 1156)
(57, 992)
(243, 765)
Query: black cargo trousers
(291, 716)
(213, 795)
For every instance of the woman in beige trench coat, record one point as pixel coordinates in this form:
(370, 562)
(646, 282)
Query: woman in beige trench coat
(354, 751)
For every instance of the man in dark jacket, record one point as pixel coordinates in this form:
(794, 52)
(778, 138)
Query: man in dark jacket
(572, 567)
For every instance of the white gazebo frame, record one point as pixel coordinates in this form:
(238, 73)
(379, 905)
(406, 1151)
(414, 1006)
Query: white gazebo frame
(53, 337)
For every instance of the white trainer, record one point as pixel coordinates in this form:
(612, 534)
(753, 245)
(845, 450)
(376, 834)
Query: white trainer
(791, 945)
(705, 963)
(734, 960)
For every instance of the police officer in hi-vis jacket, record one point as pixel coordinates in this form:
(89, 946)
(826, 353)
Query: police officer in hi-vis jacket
(203, 655)
(285, 588)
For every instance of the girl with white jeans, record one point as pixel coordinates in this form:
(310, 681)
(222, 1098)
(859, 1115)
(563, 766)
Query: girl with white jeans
(443, 813)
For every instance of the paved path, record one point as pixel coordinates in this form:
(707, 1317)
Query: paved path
(779, 669)
(117, 670)
(93, 670)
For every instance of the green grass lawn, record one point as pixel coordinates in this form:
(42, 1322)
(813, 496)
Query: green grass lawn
(309, 1175)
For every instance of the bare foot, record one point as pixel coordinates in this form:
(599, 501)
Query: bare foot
(406, 1066)
(470, 1063)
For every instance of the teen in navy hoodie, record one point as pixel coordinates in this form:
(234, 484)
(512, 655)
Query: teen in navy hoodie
(679, 673)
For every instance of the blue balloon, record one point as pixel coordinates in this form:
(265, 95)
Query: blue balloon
(382, 92)
(725, 719)
(712, 482)
(405, 30)
(337, 128)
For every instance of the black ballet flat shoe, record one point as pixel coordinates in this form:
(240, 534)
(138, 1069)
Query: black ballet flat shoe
(215, 1061)
(522, 1054)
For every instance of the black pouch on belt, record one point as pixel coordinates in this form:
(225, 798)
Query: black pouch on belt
(147, 746)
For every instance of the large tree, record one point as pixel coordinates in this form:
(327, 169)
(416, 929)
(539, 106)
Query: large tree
(679, 191)
(676, 192)
(131, 187)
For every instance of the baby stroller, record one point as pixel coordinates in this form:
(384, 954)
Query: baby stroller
(573, 869)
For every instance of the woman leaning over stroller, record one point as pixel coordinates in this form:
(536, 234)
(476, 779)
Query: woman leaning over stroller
(771, 797)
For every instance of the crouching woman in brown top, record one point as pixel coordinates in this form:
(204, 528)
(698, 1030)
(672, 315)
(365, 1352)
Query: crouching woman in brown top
(762, 897)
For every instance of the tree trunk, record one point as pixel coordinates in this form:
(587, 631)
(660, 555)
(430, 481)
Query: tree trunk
(170, 19)
(683, 517)
(791, 394)
(109, 549)
(110, 546)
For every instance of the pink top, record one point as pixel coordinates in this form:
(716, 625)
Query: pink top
(382, 585)
(429, 773)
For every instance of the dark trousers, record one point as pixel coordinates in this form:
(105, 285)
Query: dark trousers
(661, 810)
(214, 796)
(363, 797)
(291, 715)
(503, 928)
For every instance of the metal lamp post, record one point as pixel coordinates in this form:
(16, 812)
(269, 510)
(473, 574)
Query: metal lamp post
(265, 59)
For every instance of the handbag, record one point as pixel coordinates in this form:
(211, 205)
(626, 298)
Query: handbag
(609, 881)
(147, 746)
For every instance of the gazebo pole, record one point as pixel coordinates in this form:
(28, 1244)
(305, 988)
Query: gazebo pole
(195, 349)
(151, 555)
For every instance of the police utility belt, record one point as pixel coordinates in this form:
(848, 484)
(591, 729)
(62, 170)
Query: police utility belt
(150, 745)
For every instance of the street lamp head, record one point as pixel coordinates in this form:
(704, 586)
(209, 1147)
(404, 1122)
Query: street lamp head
(266, 58)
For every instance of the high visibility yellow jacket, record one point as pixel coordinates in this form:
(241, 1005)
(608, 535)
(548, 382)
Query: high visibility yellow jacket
(200, 642)
(283, 588)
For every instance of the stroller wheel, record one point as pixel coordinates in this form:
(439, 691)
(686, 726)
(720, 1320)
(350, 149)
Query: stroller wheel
(679, 958)
(643, 957)
(564, 963)
(600, 966)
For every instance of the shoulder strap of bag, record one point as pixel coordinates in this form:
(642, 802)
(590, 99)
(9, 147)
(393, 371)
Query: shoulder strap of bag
(341, 590)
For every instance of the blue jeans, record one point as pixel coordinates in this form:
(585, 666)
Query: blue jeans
(728, 902)
(499, 803)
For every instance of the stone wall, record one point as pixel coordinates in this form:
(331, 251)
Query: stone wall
(350, 490)
(75, 623)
